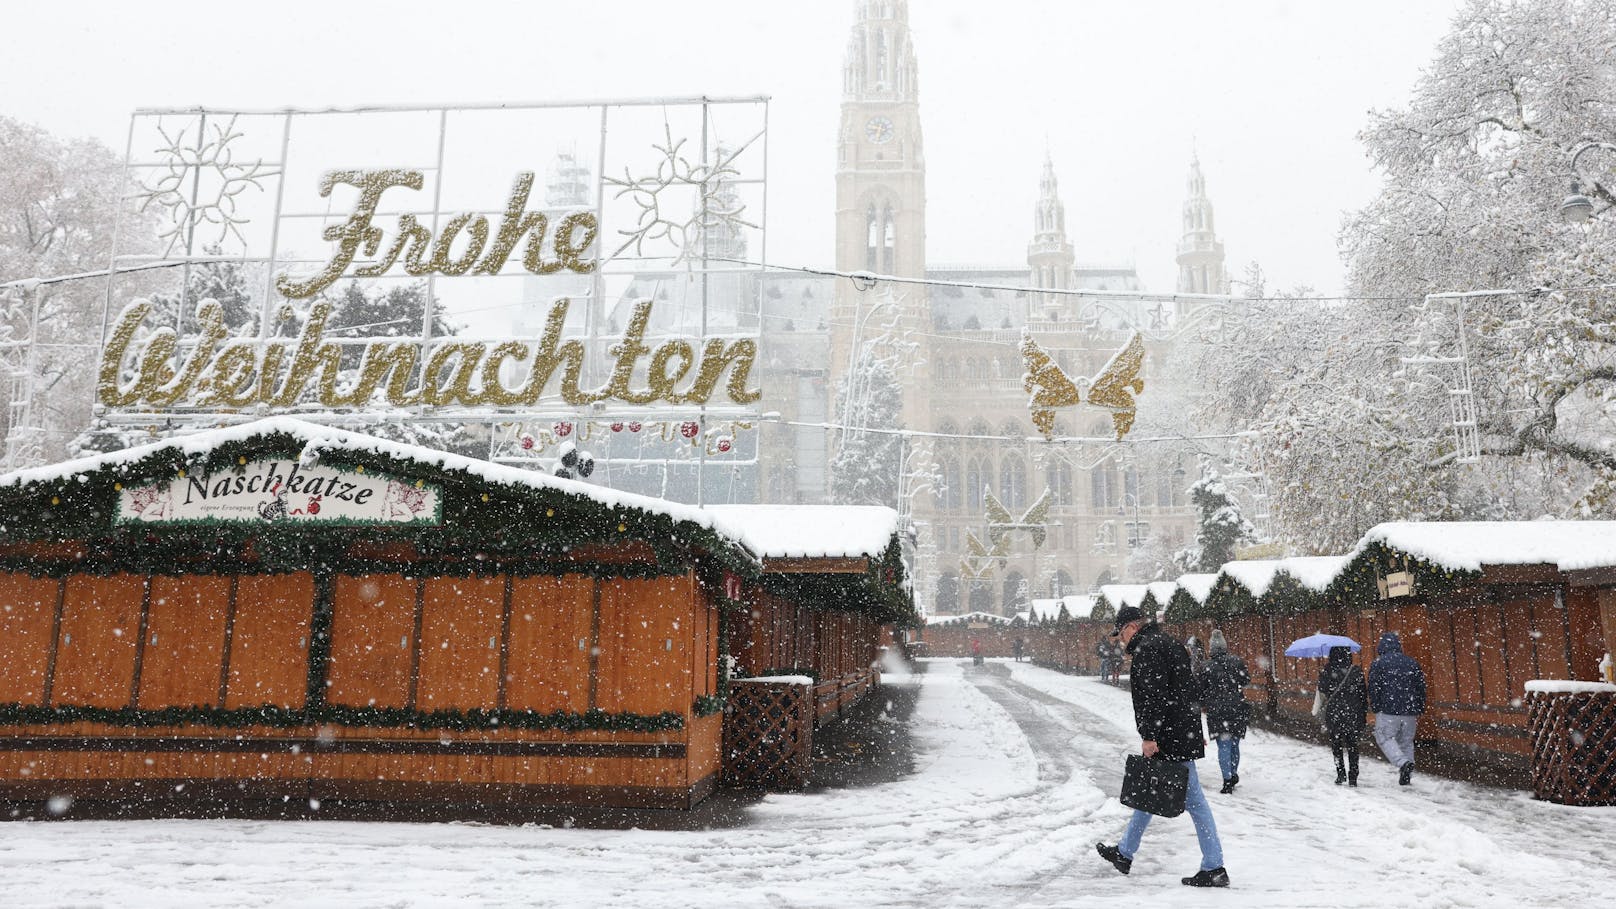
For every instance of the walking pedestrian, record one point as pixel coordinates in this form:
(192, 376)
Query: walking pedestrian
(1102, 651)
(1342, 703)
(1017, 647)
(1397, 697)
(976, 651)
(1169, 730)
(1223, 688)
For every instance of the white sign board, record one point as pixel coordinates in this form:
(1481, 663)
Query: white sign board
(281, 491)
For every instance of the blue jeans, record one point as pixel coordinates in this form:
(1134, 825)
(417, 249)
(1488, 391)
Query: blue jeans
(1206, 831)
(1228, 755)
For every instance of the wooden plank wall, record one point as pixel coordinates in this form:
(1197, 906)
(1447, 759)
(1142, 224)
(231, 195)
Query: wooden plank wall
(570, 643)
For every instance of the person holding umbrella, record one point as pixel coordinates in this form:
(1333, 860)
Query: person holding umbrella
(1342, 703)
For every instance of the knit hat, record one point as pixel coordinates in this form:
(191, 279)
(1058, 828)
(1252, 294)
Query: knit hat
(1125, 615)
(1216, 643)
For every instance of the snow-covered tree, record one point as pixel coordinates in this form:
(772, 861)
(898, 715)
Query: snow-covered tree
(59, 202)
(1220, 527)
(865, 469)
(1350, 400)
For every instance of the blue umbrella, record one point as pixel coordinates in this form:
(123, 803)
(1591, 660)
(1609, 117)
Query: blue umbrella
(1318, 645)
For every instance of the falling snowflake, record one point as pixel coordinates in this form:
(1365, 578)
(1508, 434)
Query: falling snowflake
(198, 183)
(719, 207)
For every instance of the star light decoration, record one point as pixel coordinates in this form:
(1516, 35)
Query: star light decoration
(198, 183)
(718, 206)
(1113, 389)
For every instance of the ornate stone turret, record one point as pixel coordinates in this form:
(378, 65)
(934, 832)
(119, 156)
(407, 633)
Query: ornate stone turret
(1200, 254)
(1049, 255)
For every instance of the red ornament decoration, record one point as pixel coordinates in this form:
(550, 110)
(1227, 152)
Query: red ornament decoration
(617, 427)
(689, 428)
(634, 426)
(527, 442)
(724, 444)
(562, 430)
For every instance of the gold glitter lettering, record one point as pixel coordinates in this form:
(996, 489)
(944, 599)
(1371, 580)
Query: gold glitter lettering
(715, 358)
(357, 231)
(477, 226)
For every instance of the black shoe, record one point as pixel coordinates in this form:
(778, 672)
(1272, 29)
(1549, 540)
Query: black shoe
(1352, 781)
(1234, 780)
(1340, 777)
(1405, 774)
(1217, 877)
(1228, 787)
(1118, 861)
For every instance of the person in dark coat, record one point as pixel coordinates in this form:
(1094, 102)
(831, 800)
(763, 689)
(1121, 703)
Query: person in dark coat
(1223, 693)
(1345, 702)
(1169, 729)
(1397, 696)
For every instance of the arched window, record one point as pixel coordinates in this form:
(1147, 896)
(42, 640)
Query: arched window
(872, 243)
(949, 494)
(1105, 489)
(975, 480)
(1060, 483)
(1061, 584)
(888, 242)
(1013, 482)
(981, 599)
(1012, 591)
(948, 599)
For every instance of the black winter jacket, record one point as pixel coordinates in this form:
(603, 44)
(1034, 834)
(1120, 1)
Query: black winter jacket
(1163, 694)
(1223, 693)
(1345, 702)
(1396, 681)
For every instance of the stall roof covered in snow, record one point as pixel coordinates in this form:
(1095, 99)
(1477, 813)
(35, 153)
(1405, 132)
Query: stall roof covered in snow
(1198, 586)
(1078, 606)
(1162, 591)
(1468, 545)
(1119, 595)
(1316, 573)
(1253, 574)
(987, 617)
(809, 531)
(318, 439)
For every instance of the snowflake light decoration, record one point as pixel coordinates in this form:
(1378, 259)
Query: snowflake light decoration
(718, 207)
(178, 188)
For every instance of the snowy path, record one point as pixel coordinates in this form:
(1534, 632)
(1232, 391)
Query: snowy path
(1015, 773)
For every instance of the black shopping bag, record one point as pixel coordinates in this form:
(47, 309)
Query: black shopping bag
(1154, 786)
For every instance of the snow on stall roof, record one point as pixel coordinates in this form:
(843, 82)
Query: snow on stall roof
(1198, 586)
(1120, 595)
(1162, 591)
(1253, 574)
(988, 617)
(317, 438)
(809, 531)
(1078, 606)
(1316, 573)
(1468, 545)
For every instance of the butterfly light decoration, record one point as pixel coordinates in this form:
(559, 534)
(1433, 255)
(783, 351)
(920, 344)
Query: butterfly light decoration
(1113, 389)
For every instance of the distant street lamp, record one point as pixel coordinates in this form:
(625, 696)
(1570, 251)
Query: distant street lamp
(1578, 207)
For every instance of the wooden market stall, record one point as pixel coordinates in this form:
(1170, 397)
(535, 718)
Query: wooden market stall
(804, 641)
(284, 611)
(1485, 607)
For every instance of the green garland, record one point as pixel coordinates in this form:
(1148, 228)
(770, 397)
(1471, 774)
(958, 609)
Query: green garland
(369, 717)
(709, 704)
(481, 518)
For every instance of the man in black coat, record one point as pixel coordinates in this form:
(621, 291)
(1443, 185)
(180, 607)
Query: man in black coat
(1169, 727)
(1397, 697)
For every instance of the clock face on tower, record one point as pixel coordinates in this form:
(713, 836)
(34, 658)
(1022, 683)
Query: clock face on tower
(880, 130)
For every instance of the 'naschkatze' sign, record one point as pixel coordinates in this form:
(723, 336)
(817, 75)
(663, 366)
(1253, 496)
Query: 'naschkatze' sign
(281, 491)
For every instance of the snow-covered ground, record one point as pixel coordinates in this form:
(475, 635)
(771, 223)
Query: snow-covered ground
(1016, 773)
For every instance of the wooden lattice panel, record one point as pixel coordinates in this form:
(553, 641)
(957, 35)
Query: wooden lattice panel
(768, 735)
(1573, 747)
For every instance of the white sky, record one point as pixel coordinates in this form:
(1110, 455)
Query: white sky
(1271, 93)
